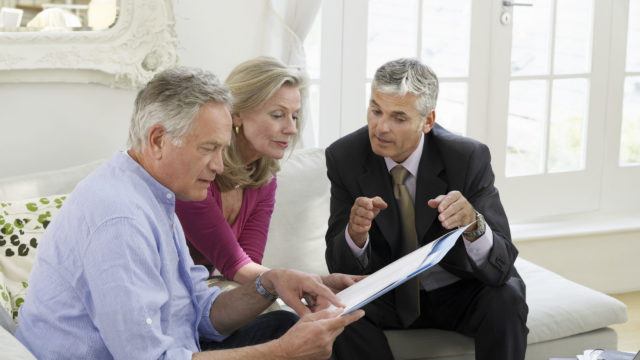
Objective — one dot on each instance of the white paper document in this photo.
(398, 272)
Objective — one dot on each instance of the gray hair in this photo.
(173, 99)
(408, 75)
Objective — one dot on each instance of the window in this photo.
(549, 87)
(546, 89)
(435, 31)
(630, 129)
(312, 49)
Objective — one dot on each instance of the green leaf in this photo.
(15, 240)
(25, 284)
(23, 250)
(18, 223)
(44, 201)
(1, 220)
(44, 217)
(9, 253)
(33, 207)
(57, 200)
(5, 297)
(33, 242)
(19, 301)
(7, 229)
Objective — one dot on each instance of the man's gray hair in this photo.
(406, 75)
(173, 99)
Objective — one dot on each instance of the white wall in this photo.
(51, 125)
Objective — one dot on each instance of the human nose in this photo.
(216, 163)
(291, 128)
(383, 125)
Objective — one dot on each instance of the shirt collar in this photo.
(159, 191)
(412, 162)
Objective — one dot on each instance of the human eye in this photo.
(277, 115)
(376, 111)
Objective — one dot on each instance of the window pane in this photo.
(633, 37)
(530, 41)
(392, 33)
(312, 47)
(573, 36)
(313, 117)
(368, 96)
(446, 27)
(451, 110)
(567, 132)
(526, 127)
(630, 137)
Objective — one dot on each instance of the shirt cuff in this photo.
(355, 249)
(205, 327)
(177, 354)
(479, 249)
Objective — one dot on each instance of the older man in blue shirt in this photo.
(114, 278)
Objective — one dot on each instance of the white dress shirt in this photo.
(436, 277)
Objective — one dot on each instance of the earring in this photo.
(236, 129)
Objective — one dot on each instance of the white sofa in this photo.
(564, 317)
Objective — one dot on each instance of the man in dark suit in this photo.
(399, 183)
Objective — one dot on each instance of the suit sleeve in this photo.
(338, 255)
(483, 195)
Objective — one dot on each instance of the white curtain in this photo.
(287, 24)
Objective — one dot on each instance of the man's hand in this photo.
(338, 282)
(363, 211)
(454, 209)
(292, 286)
(312, 336)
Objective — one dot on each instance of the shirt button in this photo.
(149, 321)
(169, 195)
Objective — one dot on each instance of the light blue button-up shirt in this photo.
(113, 276)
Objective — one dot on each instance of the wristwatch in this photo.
(263, 291)
(481, 226)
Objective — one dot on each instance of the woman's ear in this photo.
(236, 119)
(431, 121)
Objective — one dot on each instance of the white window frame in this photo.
(602, 186)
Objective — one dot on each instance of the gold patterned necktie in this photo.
(407, 294)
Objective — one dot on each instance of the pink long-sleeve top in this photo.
(215, 243)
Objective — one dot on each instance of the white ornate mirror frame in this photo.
(140, 44)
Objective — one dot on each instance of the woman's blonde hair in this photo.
(252, 83)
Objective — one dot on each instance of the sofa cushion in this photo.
(299, 220)
(22, 223)
(44, 183)
(559, 307)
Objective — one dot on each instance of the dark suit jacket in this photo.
(449, 162)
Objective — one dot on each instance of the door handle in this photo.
(511, 3)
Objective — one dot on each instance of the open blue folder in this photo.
(398, 272)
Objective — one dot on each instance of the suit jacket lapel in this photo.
(428, 186)
(375, 181)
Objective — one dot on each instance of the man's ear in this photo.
(430, 123)
(156, 140)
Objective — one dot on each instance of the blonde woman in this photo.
(228, 230)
